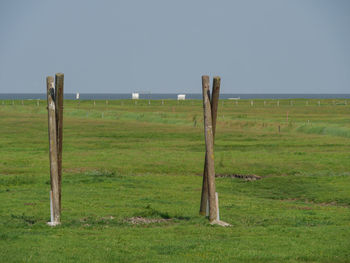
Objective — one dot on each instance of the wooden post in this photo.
(51, 108)
(59, 128)
(208, 132)
(214, 100)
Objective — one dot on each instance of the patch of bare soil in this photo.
(248, 177)
(138, 220)
(29, 203)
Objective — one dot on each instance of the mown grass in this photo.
(123, 160)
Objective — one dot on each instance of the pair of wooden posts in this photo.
(209, 198)
(55, 125)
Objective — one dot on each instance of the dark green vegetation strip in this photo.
(123, 161)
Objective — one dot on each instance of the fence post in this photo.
(59, 128)
(208, 132)
(214, 109)
(51, 108)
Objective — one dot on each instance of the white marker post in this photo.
(217, 206)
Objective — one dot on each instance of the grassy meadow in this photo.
(123, 160)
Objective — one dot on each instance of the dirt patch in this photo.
(108, 218)
(300, 207)
(248, 177)
(138, 220)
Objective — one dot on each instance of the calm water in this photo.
(159, 96)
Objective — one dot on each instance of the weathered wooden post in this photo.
(214, 100)
(59, 128)
(209, 128)
(54, 194)
(209, 156)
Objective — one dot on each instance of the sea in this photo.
(170, 96)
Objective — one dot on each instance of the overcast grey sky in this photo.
(270, 46)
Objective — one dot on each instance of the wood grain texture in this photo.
(209, 143)
(51, 108)
(214, 110)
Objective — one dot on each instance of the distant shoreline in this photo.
(160, 96)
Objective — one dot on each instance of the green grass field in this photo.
(123, 160)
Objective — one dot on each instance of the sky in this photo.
(163, 46)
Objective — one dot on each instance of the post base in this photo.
(219, 223)
(53, 223)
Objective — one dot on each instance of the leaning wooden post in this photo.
(208, 132)
(214, 109)
(51, 108)
(59, 128)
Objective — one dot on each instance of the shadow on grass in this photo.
(94, 176)
(150, 212)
